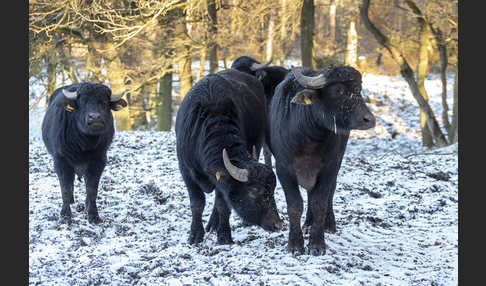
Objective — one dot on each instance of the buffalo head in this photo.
(251, 66)
(335, 98)
(91, 105)
(251, 192)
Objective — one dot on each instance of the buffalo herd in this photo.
(301, 116)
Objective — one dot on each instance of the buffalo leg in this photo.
(294, 210)
(92, 179)
(197, 199)
(224, 229)
(330, 221)
(65, 174)
(318, 204)
(308, 216)
(213, 222)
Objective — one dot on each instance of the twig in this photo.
(430, 153)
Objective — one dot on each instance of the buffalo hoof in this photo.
(65, 220)
(94, 219)
(225, 241)
(316, 249)
(224, 238)
(65, 214)
(197, 234)
(330, 228)
(330, 224)
(296, 247)
(195, 238)
(295, 250)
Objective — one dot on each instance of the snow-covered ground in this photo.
(395, 205)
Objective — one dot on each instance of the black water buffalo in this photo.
(311, 116)
(77, 130)
(270, 77)
(218, 128)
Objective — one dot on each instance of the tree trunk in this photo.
(202, 64)
(444, 61)
(164, 103)
(115, 75)
(423, 62)
(283, 32)
(453, 137)
(406, 72)
(225, 63)
(307, 28)
(271, 24)
(213, 30)
(184, 72)
(351, 54)
(331, 44)
(183, 54)
(93, 64)
(51, 76)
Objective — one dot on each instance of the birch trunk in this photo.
(332, 28)
(351, 54)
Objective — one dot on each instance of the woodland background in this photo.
(153, 50)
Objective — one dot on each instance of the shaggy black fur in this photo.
(224, 110)
(309, 141)
(270, 77)
(77, 142)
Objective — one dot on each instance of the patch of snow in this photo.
(395, 206)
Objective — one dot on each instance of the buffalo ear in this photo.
(118, 105)
(64, 102)
(219, 174)
(305, 97)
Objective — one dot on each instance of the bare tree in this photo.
(351, 54)
(407, 73)
(213, 31)
(307, 31)
(331, 46)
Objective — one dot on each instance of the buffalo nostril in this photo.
(95, 119)
(94, 116)
(368, 118)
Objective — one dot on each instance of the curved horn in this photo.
(310, 82)
(70, 94)
(256, 66)
(254, 153)
(116, 97)
(235, 172)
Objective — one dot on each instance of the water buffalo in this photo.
(219, 131)
(311, 115)
(77, 130)
(270, 77)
